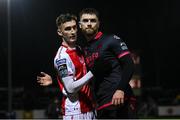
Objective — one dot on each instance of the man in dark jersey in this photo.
(108, 57)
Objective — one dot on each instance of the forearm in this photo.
(73, 86)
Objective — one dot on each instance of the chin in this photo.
(90, 32)
(73, 40)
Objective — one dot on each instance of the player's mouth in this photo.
(73, 37)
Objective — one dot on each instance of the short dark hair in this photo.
(89, 11)
(65, 18)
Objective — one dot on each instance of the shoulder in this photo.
(112, 39)
(61, 56)
(111, 36)
(116, 42)
(115, 37)
(61, 53)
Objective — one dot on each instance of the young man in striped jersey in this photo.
(69, 62)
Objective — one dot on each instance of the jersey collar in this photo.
(98, 35)
(73, 49)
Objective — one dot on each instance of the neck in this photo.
(69, 46)
(90, 37)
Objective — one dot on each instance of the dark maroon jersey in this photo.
(103, 56)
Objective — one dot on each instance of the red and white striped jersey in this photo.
(71, 63)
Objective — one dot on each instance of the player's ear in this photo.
(59, 32)
(80, 25)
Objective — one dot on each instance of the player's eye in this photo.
(67, 28)
(93, 20)
(85, 20)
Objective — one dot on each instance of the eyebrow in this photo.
(69, 27)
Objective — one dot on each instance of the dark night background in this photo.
(149, 26)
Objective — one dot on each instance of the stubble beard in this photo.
(89, 32)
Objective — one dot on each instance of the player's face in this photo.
(89, 24)
(68, 31)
